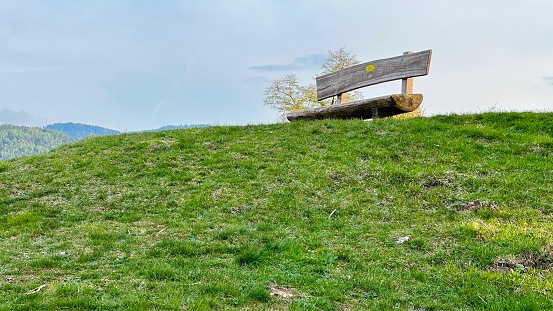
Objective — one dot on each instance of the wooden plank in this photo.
(407, 83)
(370, 73)
(361, 109)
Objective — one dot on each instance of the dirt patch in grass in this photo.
(539, 260)
(472, 206)
(438, 182)
(210, 145)
(282, 292)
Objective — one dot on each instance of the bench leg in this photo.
(376, 113)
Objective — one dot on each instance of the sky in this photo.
(136, 64)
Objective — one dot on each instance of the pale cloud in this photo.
(549, 80)
(309, 62)
(158, 106)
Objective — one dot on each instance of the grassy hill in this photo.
(441, 213)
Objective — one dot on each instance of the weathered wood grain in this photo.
(374, 72)
(407, 83)
(362, 109)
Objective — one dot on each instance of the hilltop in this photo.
(442, 213)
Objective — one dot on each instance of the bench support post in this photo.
(342, 98)
(345, 97)
(407, 84)
(406, 88)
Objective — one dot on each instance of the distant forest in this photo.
(79, 131)
(18, 141)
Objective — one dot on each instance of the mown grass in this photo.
(300, 216)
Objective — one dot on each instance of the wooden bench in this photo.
(403, 67)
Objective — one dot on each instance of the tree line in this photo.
(79, 130)
(18, 141)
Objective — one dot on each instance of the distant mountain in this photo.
(79, 131)
(21, 118)
(17, 141)
(175, 127)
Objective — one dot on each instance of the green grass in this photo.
(299, 216)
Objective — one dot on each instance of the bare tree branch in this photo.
(286, 95)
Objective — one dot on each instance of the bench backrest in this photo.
(378, 71)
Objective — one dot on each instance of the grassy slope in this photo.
(218, 218)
